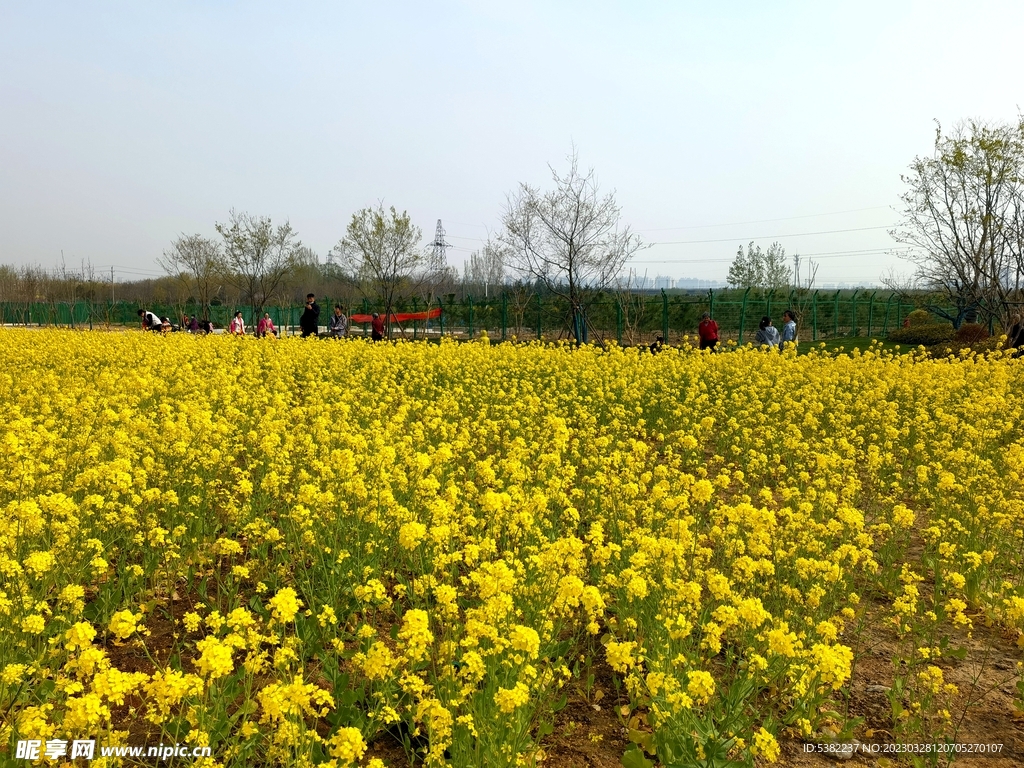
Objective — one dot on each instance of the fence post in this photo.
(440, 320)
(885, 320)
(711, 302)
(853, 325)
(470, 330)
(871, 309)
(814, 317)
(768, 305)
(664, 315)
(504, 315)
(743, 314)
(835, 332)
(618, 320)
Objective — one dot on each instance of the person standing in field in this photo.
(237, 327)
(708, 332)
(1015, 334)
(788, 329)
(193, 325)
(377, 327)
(767, 334)
(310, 320)
(338, 324)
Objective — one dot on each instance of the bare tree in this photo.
(381, 250)
(963, 219)
(632, 303)
(69, 286)
(198, 263)
(258, 256)
(485, 268)
(803, 283)
(520, 295)
(569, 239)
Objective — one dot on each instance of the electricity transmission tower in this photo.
(439, 246)
(438, 258)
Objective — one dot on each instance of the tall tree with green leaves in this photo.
(776, 272)
(764, 270)
(745, 270)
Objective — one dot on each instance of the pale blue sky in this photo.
(124, 124)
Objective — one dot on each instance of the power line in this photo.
(741, 238)
(763, 221)
(711, 226)
(819, 254)
(770, 237)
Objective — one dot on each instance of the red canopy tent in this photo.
(401, 317)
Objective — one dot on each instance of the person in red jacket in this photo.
(708, 332)
(377, 327)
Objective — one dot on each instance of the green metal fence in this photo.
(626, 318)
(637, 318)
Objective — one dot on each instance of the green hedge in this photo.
(923, 334)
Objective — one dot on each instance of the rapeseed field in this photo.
(296, 552)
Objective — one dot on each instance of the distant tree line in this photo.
(962, 228)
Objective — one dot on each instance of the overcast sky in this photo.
(125, 124)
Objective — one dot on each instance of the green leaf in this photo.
(634, 758)
(644, 739)
(559, 705)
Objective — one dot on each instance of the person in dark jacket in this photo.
(1015, 335)
(310, 320)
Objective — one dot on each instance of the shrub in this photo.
(921, 317)
(971, 333)
(934, 333)
(956, 347)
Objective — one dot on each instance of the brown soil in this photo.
(590, 732)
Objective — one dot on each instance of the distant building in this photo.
(695, 284)
(664, 283)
